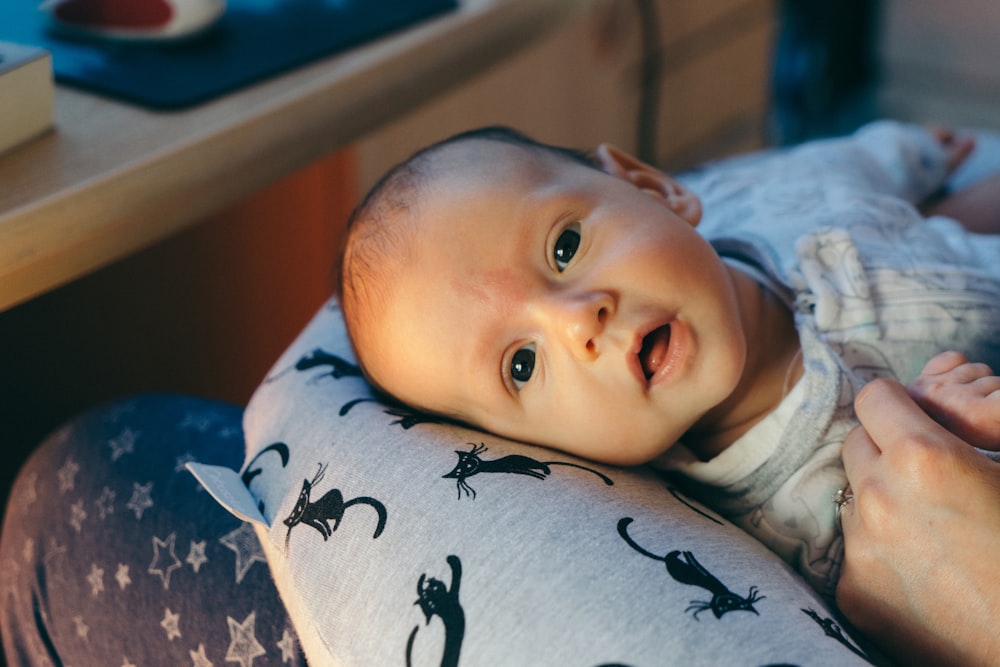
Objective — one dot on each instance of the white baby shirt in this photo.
(876, 289)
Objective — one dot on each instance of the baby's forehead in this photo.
(474, 156)
(487, 178)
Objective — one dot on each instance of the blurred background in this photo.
(675, 81)
(679, 81)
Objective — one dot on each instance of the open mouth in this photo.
(653, 353)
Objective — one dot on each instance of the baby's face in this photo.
(560, 305)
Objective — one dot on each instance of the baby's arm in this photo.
(977, 207)
(963, 397)
(957, 146)
(909, 161)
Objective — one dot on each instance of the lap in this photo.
(112, 554)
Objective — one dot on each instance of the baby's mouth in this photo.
(654, 350)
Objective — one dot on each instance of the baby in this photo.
(584, 304)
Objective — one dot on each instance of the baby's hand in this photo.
(961, 396)
(957, 147)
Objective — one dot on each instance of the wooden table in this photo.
(114, 178)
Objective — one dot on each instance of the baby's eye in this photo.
(566, 246)
(522, 365)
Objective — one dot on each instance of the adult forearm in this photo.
(977, 207)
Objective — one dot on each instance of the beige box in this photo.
(27, 94)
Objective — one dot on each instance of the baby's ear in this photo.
(650, 180)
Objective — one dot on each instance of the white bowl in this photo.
(134, 20)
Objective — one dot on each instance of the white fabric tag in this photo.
(228, 490)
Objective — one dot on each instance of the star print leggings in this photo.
(111, 554)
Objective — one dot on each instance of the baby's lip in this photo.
(652, 353)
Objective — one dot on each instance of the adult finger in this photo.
(890, 421)
(943, 362)
(891, 417)
(859, 455)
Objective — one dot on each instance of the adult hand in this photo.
(920, 576)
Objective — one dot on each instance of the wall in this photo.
(939, 61)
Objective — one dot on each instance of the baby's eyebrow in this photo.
(503, 290)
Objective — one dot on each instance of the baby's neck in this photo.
(773, 366)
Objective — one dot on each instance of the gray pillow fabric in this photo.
(396, 540)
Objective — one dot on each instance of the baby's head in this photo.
(542, 295)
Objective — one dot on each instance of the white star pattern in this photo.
(200, 422)
(55, 553)
(123, 444)
(141, 499)
(81, 628)
(155, 567)
(100, 579)
(28, 552)
(96, 580)
(183, 460)
(10, 575)
(122, 576)
(244, 646)
(287, 646)
(67, 475)
(105, 503)
(171, 624)
(244, 542)
(198, 658)
(116, 412)
(196, 556)
(77, 515)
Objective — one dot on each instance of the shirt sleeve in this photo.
(884, 157)
(912, 160)
(771, 199)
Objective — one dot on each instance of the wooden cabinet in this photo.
(583, 85)
(714, 88)
(205, 312)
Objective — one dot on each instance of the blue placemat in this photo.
(255, 39)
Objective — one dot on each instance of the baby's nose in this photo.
(581, 318)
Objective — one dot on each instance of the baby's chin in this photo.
(623, 454)
(615, 448)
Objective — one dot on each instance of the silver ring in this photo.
(842, 498)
